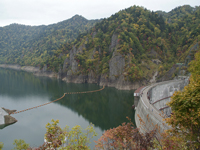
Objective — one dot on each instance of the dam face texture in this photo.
(152, 102)
(160, 95)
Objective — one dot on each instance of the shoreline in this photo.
(119, 83)
(35, 70)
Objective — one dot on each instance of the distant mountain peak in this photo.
(78, 17)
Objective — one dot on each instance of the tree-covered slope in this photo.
(27, 45)
(133, 43)
(178, 12)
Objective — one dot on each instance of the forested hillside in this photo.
(28, 45)
(131, 45)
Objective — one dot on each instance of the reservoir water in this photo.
(21, 90)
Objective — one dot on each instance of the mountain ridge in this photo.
(17, 39)
(125, 49)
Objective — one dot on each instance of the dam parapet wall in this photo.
(152, 105)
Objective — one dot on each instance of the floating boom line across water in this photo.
(59, 99)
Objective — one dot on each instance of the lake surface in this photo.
(21, 90)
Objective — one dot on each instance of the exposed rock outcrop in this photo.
(156, 61)
(35, 70)
(76, 78)
(30, 69)
(9, 119)
(113, 78)
(121, 84)
(5, 118)
(70, 65)
(114, 42)
(153, 80)
(169, 74)
(116, 65)
(9, 111)
(10, 66)
(50, 74)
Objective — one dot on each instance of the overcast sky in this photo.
(39, 12)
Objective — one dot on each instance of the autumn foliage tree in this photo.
(185, 105)
(62, 139)
(126, 136)
(1, 145)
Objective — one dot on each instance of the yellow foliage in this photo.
(185, 109)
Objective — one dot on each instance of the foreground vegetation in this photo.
(186, 112)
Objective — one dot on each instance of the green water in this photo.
(21, 90)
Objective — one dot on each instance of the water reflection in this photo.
(19, 83)
(106, 109)
(2, 126)
(20, 90)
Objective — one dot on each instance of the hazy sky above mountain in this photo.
(38, 12)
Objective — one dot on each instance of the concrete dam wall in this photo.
(151, 108)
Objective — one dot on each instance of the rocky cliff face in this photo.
(114, 43)
(113, 78)
(116, 65)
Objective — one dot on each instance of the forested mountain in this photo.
(178, 12)
(131, 45)
(27, 45)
